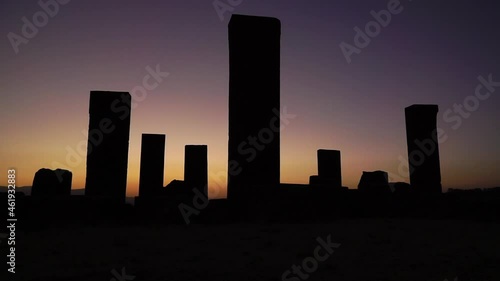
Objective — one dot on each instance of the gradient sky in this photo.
(429, 53)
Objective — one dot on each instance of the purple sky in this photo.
(429, 53)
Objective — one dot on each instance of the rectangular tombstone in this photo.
(152, 164)
(254, 103)
(423, 148)
(196, 168)
(108, 145)
(329, 166)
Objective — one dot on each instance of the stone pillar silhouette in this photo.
(152, 164)
(51, 183)
(329, 166)
(423, 148)
(329, 169)
(108, 144)
(196, 168)
(254, 104)
(374, 182)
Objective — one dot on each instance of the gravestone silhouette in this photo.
(329, 169)
(152, 164)
(423, 148)
(108, 145)
(254, 104)
(51, 183)
(196, 168)
(374, 182)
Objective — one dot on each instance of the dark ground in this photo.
(371, 250)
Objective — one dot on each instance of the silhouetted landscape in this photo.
(264, 229)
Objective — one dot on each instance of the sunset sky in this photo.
(429, 52)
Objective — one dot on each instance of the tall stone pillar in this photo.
(108, 145)
(196, 168)
(329, 166)
(423, 148)
(254, 104)
(152, 164)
